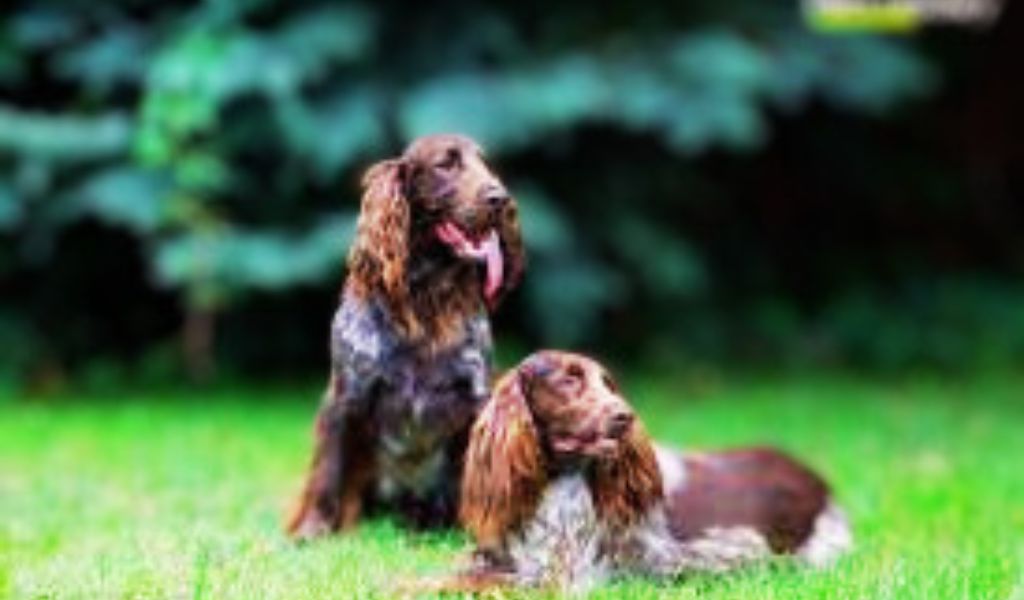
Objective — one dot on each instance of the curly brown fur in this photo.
(437, 245)
(626, 488)
(504, 470)
(379, 254)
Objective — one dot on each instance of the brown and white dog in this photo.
(437, 245)
(563, 488)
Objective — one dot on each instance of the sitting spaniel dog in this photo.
(437, 245)
(563, 488)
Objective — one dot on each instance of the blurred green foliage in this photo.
(226, 138)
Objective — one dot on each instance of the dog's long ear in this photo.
(628, 485)
(513, 250)
(505, 471)
(380, 252)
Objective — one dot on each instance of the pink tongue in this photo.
(487, 250)
(491, 248)
(452, 235)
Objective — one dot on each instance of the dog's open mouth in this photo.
(485, 248)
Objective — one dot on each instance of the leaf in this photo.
(40, 27)
(199, 171)
(236, 259)
(333, 132)
(697, 90)
(507, 111)
(63, 137)
(327, 35)
(665, 263)
(867, 74)
(12, 63)
(11, 211)
(566, 297)
(122, 196)
(221, 63)
(722, 60)
(545, 229)
(855, 72)
(119, 55)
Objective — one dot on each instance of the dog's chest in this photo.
(379, 365)
(568, 547)
(419, 401)
(562, 546)
(400, 473)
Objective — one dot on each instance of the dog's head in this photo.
(577, 408)
(440, 193)
(557, 412)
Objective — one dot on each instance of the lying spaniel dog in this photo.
(562, 488)
(437, 244)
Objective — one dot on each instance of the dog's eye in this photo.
(570, 386)
(450, 161)
(572, 381)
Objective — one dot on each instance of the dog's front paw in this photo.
(310, 529)
(306, 525)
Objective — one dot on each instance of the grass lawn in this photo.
(181, 496)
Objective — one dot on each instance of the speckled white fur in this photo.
(561, 546)
(671, 465)
(566, 547)
(832, 537)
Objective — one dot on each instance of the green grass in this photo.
(181, 497)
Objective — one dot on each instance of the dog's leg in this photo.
(341, 469)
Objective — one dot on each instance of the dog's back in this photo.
(758, 491)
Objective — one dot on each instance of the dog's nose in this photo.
(619, 423)
(496, 196)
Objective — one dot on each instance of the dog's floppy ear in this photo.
(512, 248)
(380, 252)
(505, 470)
(629, 484)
